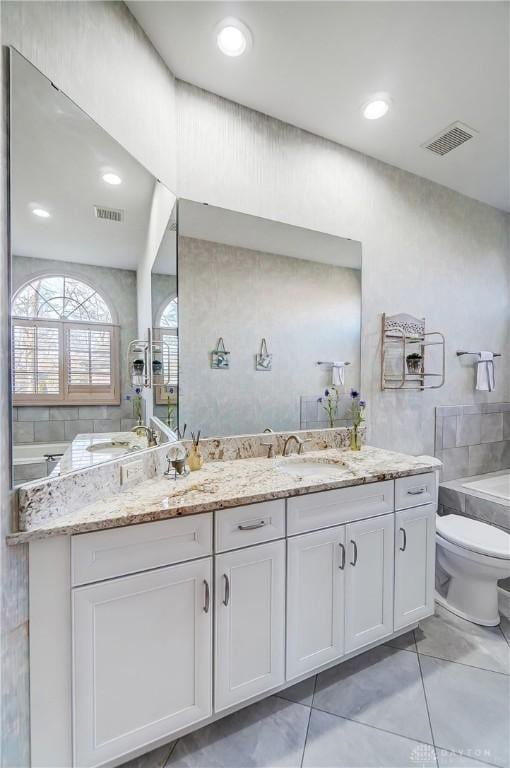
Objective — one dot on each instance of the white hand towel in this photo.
(485, 379)
(338, 374)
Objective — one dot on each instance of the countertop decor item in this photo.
(220, 358)
(195, 458)
(329, 402)
(404, 362)
(358, 417)
(263, 359)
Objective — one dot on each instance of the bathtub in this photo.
(30, 461)
(497, 485)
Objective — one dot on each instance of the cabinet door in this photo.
(415, 549)
(142, 662)
(369, 581)
(315, 599)
(250, 622)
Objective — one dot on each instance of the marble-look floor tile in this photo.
(333, 742)
(446, 636)
(155, 759)
(382, 687)
(469, 709)
(301, 693)
(404, 642)
(269, 733)
(473, 759)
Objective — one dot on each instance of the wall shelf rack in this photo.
(403, 335)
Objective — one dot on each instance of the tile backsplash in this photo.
(472, 439)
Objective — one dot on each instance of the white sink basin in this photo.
(307, 467)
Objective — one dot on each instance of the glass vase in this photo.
(355, 439)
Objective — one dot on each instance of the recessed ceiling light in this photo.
(376, 108)
(112, 178)
(41, 213)
(233, 37)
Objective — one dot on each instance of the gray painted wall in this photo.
(427, 250)
(98, 55)
(306, 311)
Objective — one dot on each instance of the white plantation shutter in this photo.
(170, 355)
(170, 359)
(91, 365)
(65, 363)
(37, 352)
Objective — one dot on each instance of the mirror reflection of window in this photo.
(166, 331)
(65, 345)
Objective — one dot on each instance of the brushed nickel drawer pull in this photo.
(226, 599)
(207, 596)
(354, 552)
(404, 540)
(416, 491)
(342, 561)
(252, 526)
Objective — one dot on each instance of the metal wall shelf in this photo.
(400, 335)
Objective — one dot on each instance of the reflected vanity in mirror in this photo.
(269, 319)
(86, 223)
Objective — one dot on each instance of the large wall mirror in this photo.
(87, 225)
(269, 320)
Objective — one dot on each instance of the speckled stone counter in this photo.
(219, 485)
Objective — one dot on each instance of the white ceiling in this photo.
(313, 64)
(219, 225)
(58, 155)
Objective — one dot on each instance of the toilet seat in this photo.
(474, 535)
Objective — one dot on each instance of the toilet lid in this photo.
(474, 535)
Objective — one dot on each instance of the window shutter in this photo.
(170, 356)
(36, 361)
(90, 365)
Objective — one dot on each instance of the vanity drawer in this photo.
(416, 490)
(321, 510)
(250, 524)
(116, 552)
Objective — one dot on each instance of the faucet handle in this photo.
(270, 449)
(302, 441)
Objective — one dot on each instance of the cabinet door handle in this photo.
(354, 552)
(404, 540)
(252, 526)
(207, 596)
(342, 561)
(226, 598)
(416, 491)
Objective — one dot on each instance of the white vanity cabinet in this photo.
(315, 599)
(415, 546)
(142, 659)
(249, 623)
(369, 581)
(149, 631)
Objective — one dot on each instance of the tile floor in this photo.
(438, 697)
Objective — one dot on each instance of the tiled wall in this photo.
(45, 425)
(472, 439)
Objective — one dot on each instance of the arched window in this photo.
(166, 331)
(65, 344)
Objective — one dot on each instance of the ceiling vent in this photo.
(108, 214)
(449, 139)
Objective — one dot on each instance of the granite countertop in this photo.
(224, 484)
(89, 449)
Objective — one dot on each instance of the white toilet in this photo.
(474, 556)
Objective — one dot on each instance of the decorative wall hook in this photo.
(263, 359)
(220, 358)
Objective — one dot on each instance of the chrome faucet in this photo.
(150, 434)
(289, 439)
